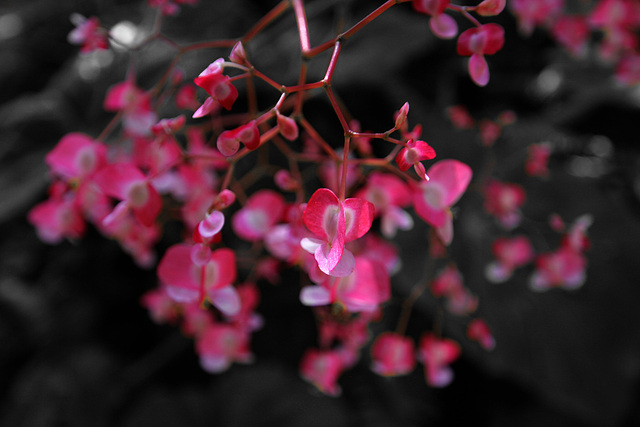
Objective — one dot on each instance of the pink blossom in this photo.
(437, 354)
(162, 309)
(261, 212)
(460, 117)
(503, 201)
(222, 344)
(432, 199)
(537, 163)
(441, 24)
(192, 276)
(449, 284)
(57, 218)
(335, 222)
(363, 290)
(510, 253)
(135, 105)
(478, 330)
(228, 142)
(490, 131)
(572, 32)
(127, 183)
(322, 368)
(477, 42)
(88, 33)
(393, 354)
(217, 85)
(413, 154)
(186, 98)
(534, 13)
(388, 194)
(76, 156)
(563, 268)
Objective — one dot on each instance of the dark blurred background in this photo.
(77, 349)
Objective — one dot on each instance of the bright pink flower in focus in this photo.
(413, 154)
(217, 85)
(127, 183)
(221, 345)
(193, 274)
(441, 24)
(260, 213)
(88, 33)
(335, 222)
(478, 330)
(363, 290)
(477, 42)
(437, 354)
(322, 368)
(228, 142)
(510, 253)
(503, 200)
(393, 354)
(432, 199)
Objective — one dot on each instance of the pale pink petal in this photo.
(345, 266)
(359, 215)
(226, 299)
(309, 244)
(209, 105)
(225, 260)
(314, 296)
(211, 225)
(454, 176)
(478, 69)
(443, 26)
(177, 270)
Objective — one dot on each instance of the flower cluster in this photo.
(330, 210)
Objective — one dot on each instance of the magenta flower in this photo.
(222, 344)
(218, 86)
(262, 211)
(193, 274)
(564, 268)
(362, 291)
(413, 154)
(441, 24)
(335, 222)
(432, 199)
(322, 368)
(393, 354)
(228, 142)
(88, 33)
(135, 106)
(477, 42)
(76, 156)
(437, 354)
(510, 253)
(503, 200)
(125, 182)
(478, 330)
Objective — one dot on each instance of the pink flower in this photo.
(162, 309)
(88, 33)
(432, 199)
(335, 222)
(563, 268)
(460, 117)
(478, 330)
(413, 154)
(572, 32)
(537, 163)
(393, 354)
(437, 354)
(477, 42)
(135, 105)
(193, 274)
(362, 291)
(441, 24)
(533, 13)
(449, 284)
(57, 218)
(388, 194)
(218, 86)
(261, 212)
(322, 368)
(76, 156)
(510, 253)
(127, 183)
(228, 142)
(222, 344)
(503, 201)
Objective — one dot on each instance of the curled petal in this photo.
(443, 26)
